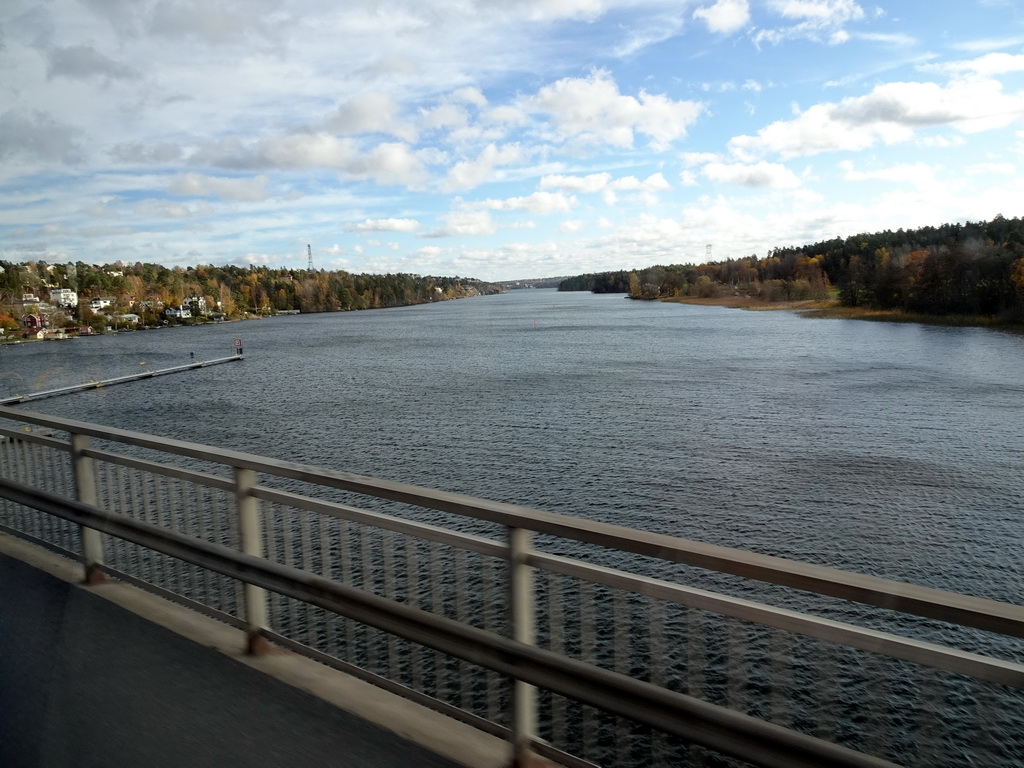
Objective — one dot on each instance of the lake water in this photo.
(889, 449)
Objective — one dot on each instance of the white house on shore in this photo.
(63, 297)
(182, 313)
(196, 303)
(101, 302)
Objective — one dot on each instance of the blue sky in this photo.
(498, 139)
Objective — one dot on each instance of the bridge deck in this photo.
(85, 682)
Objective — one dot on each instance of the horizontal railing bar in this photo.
(726, 731)
(173, 597)
(144, 465)
(981, 613)
(30, 437)
(385, 683)
(917, 651)
(423, 699)
(479, 544)
(69, 553)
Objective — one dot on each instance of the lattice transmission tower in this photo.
(309, 253)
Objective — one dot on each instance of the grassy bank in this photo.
(750, 302)
(832, 309)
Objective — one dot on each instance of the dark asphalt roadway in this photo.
(86, 684)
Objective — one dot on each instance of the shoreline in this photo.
(831, 309)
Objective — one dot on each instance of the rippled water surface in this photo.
(896, 450)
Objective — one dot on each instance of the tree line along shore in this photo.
(970, 274)
(79, 295)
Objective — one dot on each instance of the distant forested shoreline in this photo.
(972, 269)
(226, 291)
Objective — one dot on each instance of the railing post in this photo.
(250, 529)
(522, 611)
(85, 491)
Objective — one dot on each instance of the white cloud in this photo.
(368, 113)
(384, 225)
(819, 20)
(471, 173)
(590, 184)
(1000, 169)
(539, 202)
(388, 163)
(470, 95)
(988, 44)
(592, 109)
(198, 185)
(443, 116)
(725, 16)
(506, 115)
(918, 174)
(690, 159)
(889, 114)
(986, 66)
(942, 142)
(167, 209)
(822, 11)
(294, 152)
(465, 223)
(606, 186)
(757, 175)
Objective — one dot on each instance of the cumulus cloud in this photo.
(593, 110)
(756, 175)
(38, 136)
(889, 114)
(725, 16)
(384, 225)
(81, 62)
(820, 20)
(198, 185)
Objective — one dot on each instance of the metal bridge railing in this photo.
(585, 642)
